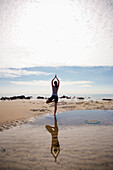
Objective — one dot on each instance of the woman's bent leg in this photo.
(47, 101)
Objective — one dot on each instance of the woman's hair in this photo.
(55, 83)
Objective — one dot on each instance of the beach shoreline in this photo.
(17, 112)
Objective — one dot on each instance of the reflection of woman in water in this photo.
(55, 147)
(54, 96)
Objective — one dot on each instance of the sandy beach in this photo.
(17, 112)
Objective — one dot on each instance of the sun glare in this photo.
(52, 31)
(59, 33)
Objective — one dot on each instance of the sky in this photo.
(70, 38)
(73, 80)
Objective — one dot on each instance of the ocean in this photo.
(86, 96)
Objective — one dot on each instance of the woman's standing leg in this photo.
(55, 108)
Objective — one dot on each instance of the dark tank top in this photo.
(55, 90)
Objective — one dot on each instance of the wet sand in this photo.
(82, 145)
(20, 111)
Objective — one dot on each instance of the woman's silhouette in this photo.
(54, 97)
(55, 146)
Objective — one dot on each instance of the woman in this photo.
(54, 97)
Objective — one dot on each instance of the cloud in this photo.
(67, 83)
(43, 35)
(86, 85)
(32, 83)
(47, 83)
(11, 73)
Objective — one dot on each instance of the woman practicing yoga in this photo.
(54, 97)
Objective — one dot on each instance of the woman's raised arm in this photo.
(52, 81)
(57, 80)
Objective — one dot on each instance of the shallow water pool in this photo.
(77, 118)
